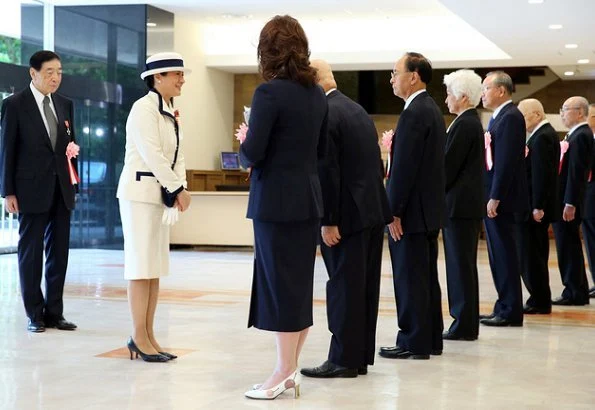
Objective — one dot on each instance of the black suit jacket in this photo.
(590, 193)
(352, 173)
(29, 165)
(287, 133)
(507, 180)
(416, 187)
(542, 172)
(575, 168)
(464, 163)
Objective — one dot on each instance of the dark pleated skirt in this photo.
(284, 254)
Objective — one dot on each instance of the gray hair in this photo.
(583, 105)
(464, 82)
(501, 79)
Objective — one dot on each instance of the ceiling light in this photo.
(583, 61)
(569, 73)
(535, 1)
(151, 24)
(555, 26)
(571, 46)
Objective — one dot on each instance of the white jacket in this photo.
(150, 149)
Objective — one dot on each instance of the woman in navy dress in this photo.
(286, 136)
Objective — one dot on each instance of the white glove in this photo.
(170, 216)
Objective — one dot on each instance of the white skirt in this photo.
(146, 240)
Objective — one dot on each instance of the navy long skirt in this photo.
(284, 254)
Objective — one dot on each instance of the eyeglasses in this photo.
(395, 74)
(486, 88)
(566, 109)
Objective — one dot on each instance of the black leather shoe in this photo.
(491, 315)
(170, 356)
(36, 326)
(327, 370)
(60, 324)
(533, 310)
(362, 370)
(561, 301)
(396, 352)
(452, 336)
(500, 322)
(592, 292)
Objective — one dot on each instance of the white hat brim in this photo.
(164, 70)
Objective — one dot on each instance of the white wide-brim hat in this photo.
(162, 63)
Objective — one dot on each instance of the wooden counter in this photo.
(214, 218)
(208, 180)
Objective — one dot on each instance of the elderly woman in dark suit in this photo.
(286, 136)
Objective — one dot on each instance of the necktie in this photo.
(490, 123)
(51, 119)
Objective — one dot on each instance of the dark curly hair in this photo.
(283, 51)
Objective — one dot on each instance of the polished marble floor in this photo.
(548, 363)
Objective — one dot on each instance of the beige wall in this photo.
(206, 104)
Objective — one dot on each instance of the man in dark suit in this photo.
(355, 213)
(506, 195)
(541, 162)
(416, 196)
(464, 203)
(589, 216)
(574, 171)
(37, 126)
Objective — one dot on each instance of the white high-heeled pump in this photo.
(274, 392)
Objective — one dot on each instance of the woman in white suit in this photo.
(154, 159)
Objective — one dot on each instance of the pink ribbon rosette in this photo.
(387, 142)
(241, 132)
(488, 141)
(563, 148)
(72, 151)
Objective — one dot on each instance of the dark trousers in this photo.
(505, 266)
(417, 292)
(49, 230)
(534, 252)
(461, 237)
(352, 293)
(571, 261)
(588, 227)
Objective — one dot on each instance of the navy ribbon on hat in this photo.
(174, 62)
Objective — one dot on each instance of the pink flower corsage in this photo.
(387, 139)
(488, 150)
(67, 124)
(241, 132)
(177, 116)
(72, 151)
(526, 151)
(387, 142)
(563, 148)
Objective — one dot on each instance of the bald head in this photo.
(591, 118)
(574, 111)
(324, 74)
(533, 112)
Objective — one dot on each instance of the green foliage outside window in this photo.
(10, 50)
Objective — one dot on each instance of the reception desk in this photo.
(214, 218)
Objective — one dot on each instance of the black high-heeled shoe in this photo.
(168, 355)
(132, 348)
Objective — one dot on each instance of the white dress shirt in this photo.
(497, 110)
(412, 96)
(39, 100)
